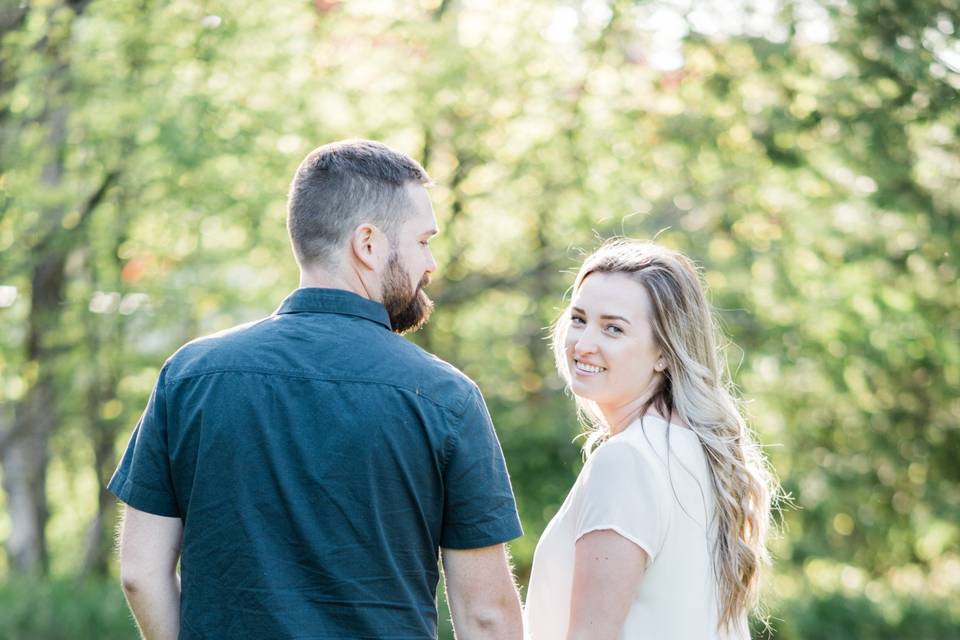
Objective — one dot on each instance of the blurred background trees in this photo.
(805, 152)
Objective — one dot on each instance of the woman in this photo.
(663, 534)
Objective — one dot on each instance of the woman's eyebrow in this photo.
(603, 317)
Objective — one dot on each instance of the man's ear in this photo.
(369, 246)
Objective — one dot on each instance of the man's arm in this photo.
(483, 598)
(149, 551)
(606, 575)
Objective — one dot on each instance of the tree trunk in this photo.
(26, 453)
(97, 555)
(105, 338)
(25, 456)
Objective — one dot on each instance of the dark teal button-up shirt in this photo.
(318, 461)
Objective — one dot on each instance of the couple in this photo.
(307, 470)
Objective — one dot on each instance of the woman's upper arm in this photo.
(623, 492)
(607, 572)
(620, 527)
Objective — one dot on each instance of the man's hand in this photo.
(483, 598)
(149, 552)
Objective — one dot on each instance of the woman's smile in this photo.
(586, 369)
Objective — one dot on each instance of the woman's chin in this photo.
(583, 389)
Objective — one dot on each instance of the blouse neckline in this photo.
(673, 428)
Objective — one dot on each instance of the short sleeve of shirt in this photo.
(143, 479)
(479, 508)
(622, 492)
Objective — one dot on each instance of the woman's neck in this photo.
(619, 417)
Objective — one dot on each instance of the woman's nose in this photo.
(585, 344)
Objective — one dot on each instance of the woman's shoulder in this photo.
(658, 444)
(652, 435)
(625, 458)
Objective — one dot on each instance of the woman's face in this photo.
(611, 353)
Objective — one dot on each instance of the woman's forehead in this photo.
(612, 294)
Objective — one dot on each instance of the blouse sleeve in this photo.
(623, 492)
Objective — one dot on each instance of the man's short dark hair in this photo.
(344, 184)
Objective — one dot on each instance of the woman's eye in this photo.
(577, 320)
(612, 328)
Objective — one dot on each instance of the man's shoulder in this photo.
(213, 351)
(429, 375)
(373, 356)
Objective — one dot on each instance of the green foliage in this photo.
(857, 617)
(89, 609)
(94, 609)
(810, 164)
(64, 610)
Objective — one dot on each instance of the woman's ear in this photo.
(661, 365)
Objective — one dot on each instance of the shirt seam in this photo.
(124, 479)
(171, 380)
(360, 315)
(463, 405)
(335, 301)
(510, 518)
(635, 539)
(454, 440)
(125, 488)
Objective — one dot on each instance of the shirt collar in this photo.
(339, 301)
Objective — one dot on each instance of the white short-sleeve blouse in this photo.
(662, 503)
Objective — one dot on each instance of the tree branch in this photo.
(451, 294)
(439, 12)
(88, 207)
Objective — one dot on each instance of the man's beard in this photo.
(408, 310)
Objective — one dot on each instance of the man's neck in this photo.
(314, 276)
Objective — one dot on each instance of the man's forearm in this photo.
(483, 598)
(501, 623)
(155, 604)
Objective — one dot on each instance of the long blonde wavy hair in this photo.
(695, 388)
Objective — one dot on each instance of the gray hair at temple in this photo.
(342, 185)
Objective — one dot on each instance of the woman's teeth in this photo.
(587, 368)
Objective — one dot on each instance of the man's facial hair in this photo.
(408, 310)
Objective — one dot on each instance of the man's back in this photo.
(317, 461)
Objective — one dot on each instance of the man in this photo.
(306, 468)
